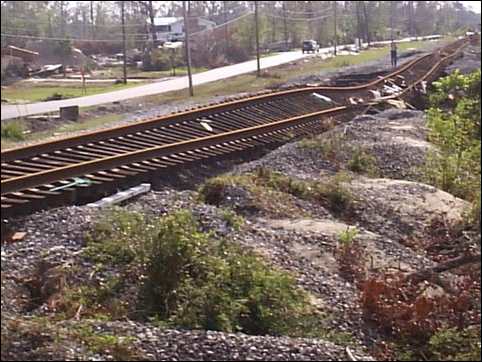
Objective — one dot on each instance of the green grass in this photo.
(30, 92)
(116, 72)
(279, 75)
(13, 131)
(63, 130)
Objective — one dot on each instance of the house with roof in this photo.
(172, 28)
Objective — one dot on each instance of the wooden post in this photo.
(186, 45)
(258, 65)
(124, 46)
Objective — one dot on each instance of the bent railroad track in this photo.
(66, 170)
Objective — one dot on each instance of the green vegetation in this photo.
(31, 92)
(39, 336)
(362, 162)
(454, 122)
(13, 131)
(335, 149)
(272, 190)
(193, 280)
(346, 237)
(120, 348)
(116, 72)
(64, 129)
(232, 219)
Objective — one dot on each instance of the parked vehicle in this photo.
(175, 37)
(310, 46)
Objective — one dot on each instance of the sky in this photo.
(473, 5)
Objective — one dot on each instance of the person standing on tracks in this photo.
(393, 54)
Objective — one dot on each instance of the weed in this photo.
(192, 280)
(232, 219)
(415, 322)
(350, 256)
(362, 162)
(13, 131)
(346, 237)
(120, 348)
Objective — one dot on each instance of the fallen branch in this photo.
(430, 274)
(350, 354)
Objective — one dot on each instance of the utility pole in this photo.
(186, 44)
(225, 17)
(391, 21)
(285, 25)
(124, 47)
(258, 69)
(335, 38)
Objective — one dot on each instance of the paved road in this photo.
(13, 111)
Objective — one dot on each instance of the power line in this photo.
(62, 39)
(223, 24)
(297, 19)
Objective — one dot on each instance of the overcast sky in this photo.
(474, 5)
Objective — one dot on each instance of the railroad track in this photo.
(61, 171)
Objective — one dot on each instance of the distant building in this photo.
(172, 28)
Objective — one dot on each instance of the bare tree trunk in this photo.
(411, 27)
(366, 22)
(151, 16)
(310, 22)
(62, 19)
(92, 25)
(358, 23)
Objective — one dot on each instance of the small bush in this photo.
(348, 236)
(195, 281)
(362, 162)
(13, 131)
(270, 186)
(455, 345)
(350, 256)
(119, 237)
(232, 219)
(414, 321)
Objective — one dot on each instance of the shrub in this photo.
(455, 345)
(13, 131)
(454, 122)
(269, 186)
(362, 162)
(195, 281)
(411, 319)
(350, 256)
(232, 219)
(119, 237)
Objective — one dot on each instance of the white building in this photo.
(172, 28)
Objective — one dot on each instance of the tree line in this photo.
(95, 26)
